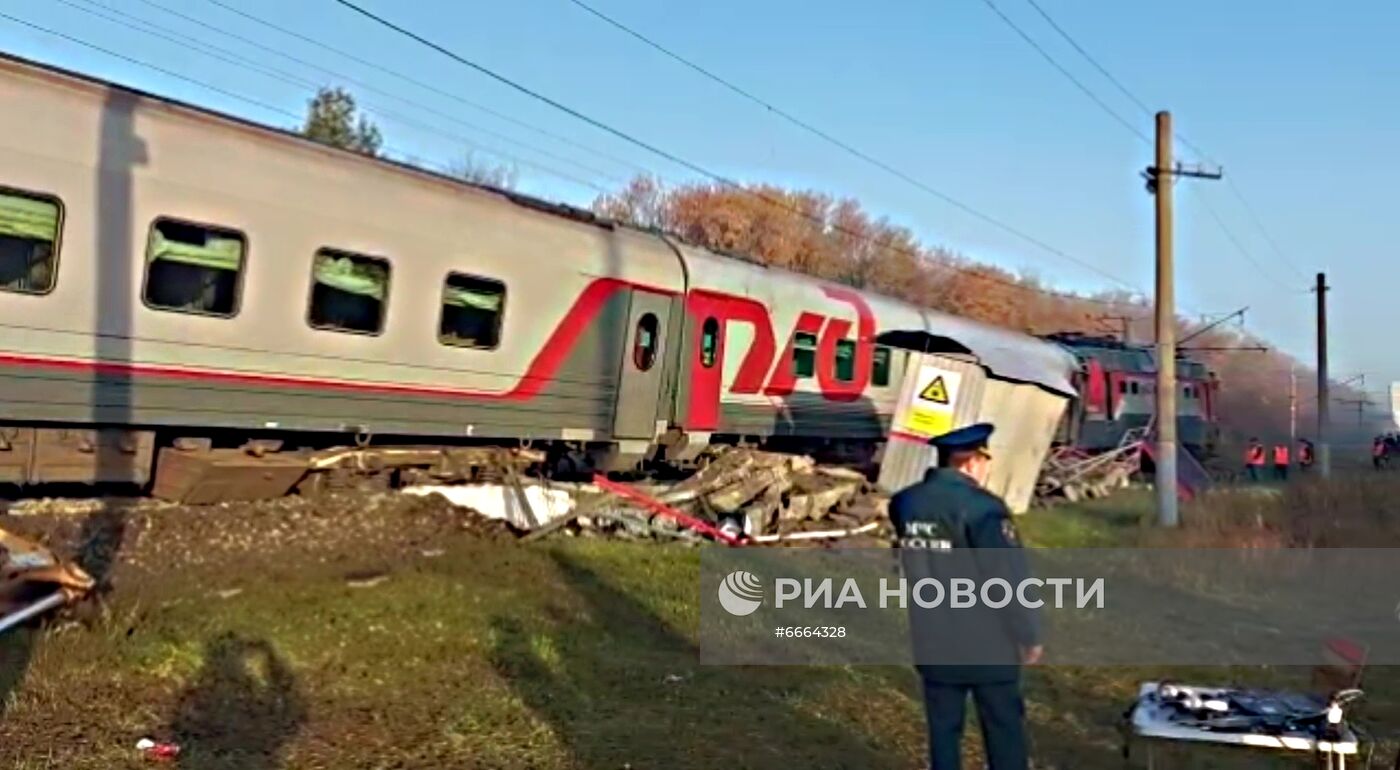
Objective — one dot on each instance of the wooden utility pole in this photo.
(1324, 452)
(1159, 182)
(1165, 458)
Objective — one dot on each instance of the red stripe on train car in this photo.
(541, 371)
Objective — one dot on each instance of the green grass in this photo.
(566, 654)
(1103, 523)
(576, 654)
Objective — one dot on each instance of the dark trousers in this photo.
(1253, 471)
(1280, 471)
(999, 710)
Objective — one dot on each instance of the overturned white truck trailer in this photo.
(1018, 383)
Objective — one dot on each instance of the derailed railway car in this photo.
(173, 277)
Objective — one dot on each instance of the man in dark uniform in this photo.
(1307, 455)
(948, 525)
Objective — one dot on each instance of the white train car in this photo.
(167, 272)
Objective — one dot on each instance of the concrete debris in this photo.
(741, 496)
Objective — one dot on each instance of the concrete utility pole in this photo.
(1159, 182)
(1324, 452)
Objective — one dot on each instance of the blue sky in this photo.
(1298, 101)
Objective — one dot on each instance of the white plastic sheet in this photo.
(497, 501)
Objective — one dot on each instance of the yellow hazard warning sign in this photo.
(936, 391)
(930, 405)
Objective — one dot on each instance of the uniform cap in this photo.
(966, 439)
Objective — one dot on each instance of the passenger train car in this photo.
(1117, 385)
(170, 273)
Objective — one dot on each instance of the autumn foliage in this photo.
(838, 240)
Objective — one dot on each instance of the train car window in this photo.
(804, 354)
(349, 292)
(846, 360)
(192, 268)
(709, 342)
(1134, 388)
(644, 342)
(880, 367)
(472, 309)
(1122, 386)
(29, 234)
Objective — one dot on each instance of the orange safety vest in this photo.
(1377, 448)
(1254, 455)
(1280, 455)
(1305, 454)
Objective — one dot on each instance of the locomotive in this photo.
(1117, 386)
(174, 279)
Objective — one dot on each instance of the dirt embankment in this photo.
(140, 538)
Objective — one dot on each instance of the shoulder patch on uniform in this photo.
(1008, 531)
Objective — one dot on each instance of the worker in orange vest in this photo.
(1254, 459)
(1281, 462)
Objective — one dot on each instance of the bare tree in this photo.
(475, 169)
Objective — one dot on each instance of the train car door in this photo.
(642, 366)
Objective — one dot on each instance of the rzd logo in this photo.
(740, 593)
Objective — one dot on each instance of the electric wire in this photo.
(410, 80)
(230, 57)
(1068, 75)
(697, 168)
(1201, 155)
(830, 138)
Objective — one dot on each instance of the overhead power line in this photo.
(1142, 105)
(405, 79)
(1268, 238)
(1068, 75)
(694, 167)
(1201, 154)
(237, 59)
(1102, 70)
(834, 141)
(148, 65)
(271, 108)
(230, 57)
